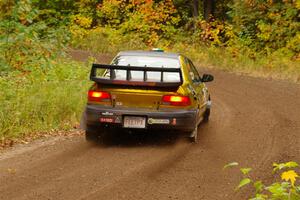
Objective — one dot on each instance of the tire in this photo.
(91, 136)
(206, 115)
(207, 112)
(194, 135)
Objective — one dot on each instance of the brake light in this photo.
(98, 96)
(176, 100)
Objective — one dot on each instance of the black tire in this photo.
(91, 136)
(206, 115)
(207, 112)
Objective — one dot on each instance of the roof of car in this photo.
(149, 53)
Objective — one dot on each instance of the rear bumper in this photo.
(101, 116)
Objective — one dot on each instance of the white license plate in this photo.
(134, 122)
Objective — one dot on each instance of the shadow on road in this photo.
(123, 138)
(142, 138)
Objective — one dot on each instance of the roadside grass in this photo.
(273, 66)
(42, 101)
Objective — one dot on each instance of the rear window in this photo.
(147, 61)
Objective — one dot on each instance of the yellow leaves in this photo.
(80, 26)
(286, 189)
(297, 4)
(290, 175)
(215, 33)
(112, 10)
(84, 22)
(150, 19)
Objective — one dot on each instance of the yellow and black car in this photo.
(147, 90)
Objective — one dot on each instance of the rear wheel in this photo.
(207, 111)
(206, 115)
(93, 133)
(91, 136)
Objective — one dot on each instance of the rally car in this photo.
(147, 90)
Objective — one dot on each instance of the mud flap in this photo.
(194, 135)
(208, 104)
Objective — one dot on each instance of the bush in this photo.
(285, 189)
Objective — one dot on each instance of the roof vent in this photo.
(157, 50)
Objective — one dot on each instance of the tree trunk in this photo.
(195, 8)
(209, 7)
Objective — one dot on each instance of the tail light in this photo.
(176, 100)
(98, 96)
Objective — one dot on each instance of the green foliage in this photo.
(27, 44)
(39, 90)
(105, 40)
(286, 189)
(254, 36)
(281, 166)
(267, 26)
(243, 182)
(149, 19)
(245, 171)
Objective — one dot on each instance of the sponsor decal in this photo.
(107, 113)
(158, 121)
(118, 119)
(118, 103)
(106, 119)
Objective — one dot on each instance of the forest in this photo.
(42, 89)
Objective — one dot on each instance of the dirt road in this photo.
(254, 122)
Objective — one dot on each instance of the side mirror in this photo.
(207, 78)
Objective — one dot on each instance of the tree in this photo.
(195, 6)
(208, 9)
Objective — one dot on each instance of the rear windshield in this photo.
(147, 61)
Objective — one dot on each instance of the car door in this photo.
(198, 87)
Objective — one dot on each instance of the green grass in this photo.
(42, 101)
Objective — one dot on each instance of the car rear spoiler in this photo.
(112, 80)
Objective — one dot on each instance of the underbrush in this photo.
(285, 185)
(42, 101)
(273, 66)
(234, 59)
(40, 89)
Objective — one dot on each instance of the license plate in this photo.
(134, 122)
